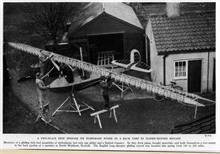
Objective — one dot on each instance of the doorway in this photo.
(194, 75)
(213, 82)
(106, 43)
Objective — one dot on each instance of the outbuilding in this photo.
(102, 30)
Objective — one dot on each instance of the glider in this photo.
(167, 92)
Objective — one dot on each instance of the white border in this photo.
(187, 137)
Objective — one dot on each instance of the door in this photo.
(213, 82)
(194, 76)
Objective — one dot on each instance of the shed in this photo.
(106, 28)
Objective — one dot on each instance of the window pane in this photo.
(184, 63)
(184, 68)
(180, 69)
(184, 73)
(177, 64)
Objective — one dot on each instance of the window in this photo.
(105, 58)
(180, 69)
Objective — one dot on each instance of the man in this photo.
(44, 62)
(106, 84)
(43, 103)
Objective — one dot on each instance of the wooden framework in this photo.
(74, 104)
(112, 111)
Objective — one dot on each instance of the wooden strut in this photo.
(47, 74)
(123, 88)
(112, 110)
(195, 112)
(169, 92)
(76, 107)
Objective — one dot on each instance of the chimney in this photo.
(173, 9)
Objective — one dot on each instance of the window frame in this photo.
(180, 77)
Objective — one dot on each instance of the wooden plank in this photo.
(98, 112)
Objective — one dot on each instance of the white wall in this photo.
(206, 78)
(156, 61)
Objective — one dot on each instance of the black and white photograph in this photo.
(109, 67)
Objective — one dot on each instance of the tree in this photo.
(49, 19)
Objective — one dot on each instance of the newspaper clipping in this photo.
(130, 76)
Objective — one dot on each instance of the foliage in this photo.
(48, 19)
(34, 24)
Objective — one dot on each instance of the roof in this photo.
(92, 10)
(205, 125)
(145, 10)
(184, 33)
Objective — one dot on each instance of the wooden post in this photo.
(81, 58)
(196, 108)
(122, 93)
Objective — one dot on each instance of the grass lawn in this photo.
(17, 118)
(135, 116)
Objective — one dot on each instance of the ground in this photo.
(141, 115)
(17, 118)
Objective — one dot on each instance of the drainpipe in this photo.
(208, 73)
(164, 69)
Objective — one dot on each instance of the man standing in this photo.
(106, 84)
(43, 104)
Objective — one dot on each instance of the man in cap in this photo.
(106, 84)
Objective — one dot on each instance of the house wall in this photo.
(155, 60)
(206, 77)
